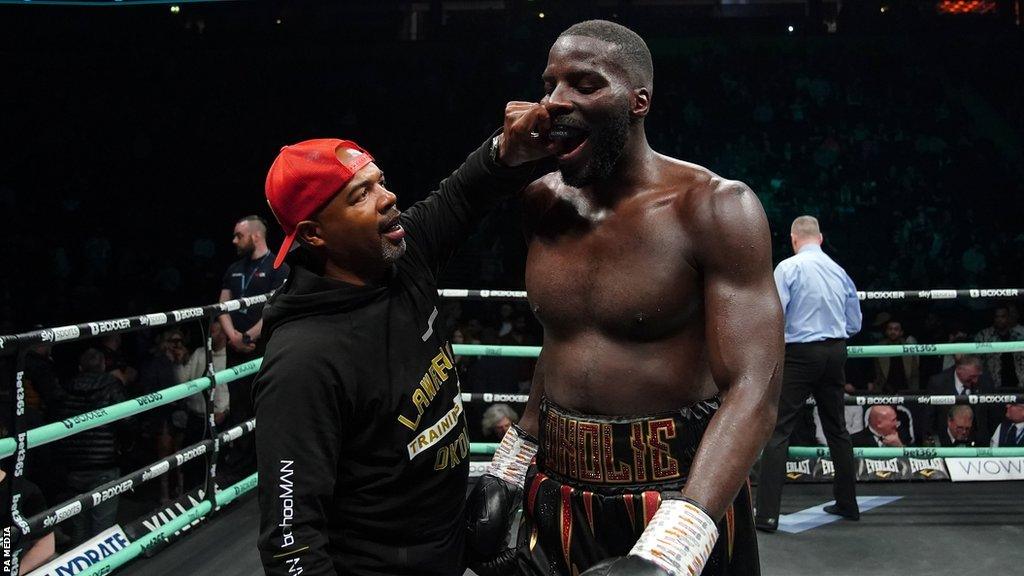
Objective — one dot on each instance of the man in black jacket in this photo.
(965, 378)
(361, 441)
(90, 457)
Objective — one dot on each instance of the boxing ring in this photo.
(917, 524)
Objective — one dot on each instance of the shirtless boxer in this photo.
(663, 344)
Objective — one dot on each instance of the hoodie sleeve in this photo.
(438, 224)
(298, 442)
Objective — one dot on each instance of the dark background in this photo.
(134, 137)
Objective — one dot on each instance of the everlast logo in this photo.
(872, 400)
(83, 418)
(62, 514)
(993, 398)
(885, 295)
(586, 450)
(876, 466)
(827, 468)
(187, 314)
(190, 454)
(97, 328)
(919, 465)
(798, 468)
(104, 495)
(149, 398)
(997, 293)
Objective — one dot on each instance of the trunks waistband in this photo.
(627, 452)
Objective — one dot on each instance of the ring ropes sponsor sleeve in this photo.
(298, 444)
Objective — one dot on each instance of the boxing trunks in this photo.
(598, 480)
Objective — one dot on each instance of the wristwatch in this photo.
(495, 149)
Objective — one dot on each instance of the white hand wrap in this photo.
(513, 457)
(679, 538)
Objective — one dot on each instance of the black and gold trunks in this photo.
(598, 482)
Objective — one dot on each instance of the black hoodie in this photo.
(361, 439)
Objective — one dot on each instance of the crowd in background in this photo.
(907, 154)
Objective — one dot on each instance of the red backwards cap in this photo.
(305, 176)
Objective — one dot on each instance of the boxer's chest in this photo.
(625, 273)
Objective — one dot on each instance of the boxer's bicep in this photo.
(298, 442)
(744, 340)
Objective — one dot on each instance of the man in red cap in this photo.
(362, 446)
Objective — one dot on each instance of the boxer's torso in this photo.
(618, 287)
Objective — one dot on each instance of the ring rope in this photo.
(897, 399)
(165, 532)
(484, 448)
(60, 430)
(83, 502)
(940, 294)
(851, 351)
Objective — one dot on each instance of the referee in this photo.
(821, 309)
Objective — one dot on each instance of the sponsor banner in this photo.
(187, 314)
(78, 560)
(943, 294)
(453, 292)
(230, 305)
(146, 524)
(928, 469)
(808, 470)
(492, 398)
(985, 469)
(97, 328)
(153, 319)
(995, 293)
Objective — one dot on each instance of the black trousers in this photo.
(811, 369)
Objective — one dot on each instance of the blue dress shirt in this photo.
(818, 298)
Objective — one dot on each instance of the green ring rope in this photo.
(121, 557)
(851, 351)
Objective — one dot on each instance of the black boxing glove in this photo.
(492, 505)
(677, 542)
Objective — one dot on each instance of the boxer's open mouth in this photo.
(570, 140)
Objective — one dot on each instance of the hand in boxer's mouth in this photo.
(392, 228)
(569, 137)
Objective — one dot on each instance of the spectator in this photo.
(38, 547)
(163, 427)
(194, 368)
(1010, 431)
(115, 361)
(251, 275)
(894, 375)
(90, 457)
(960, 429)
(195, 429)
(882, 430)
(966, 377)
(496, 421)
(40, 377)
(1007, 369)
